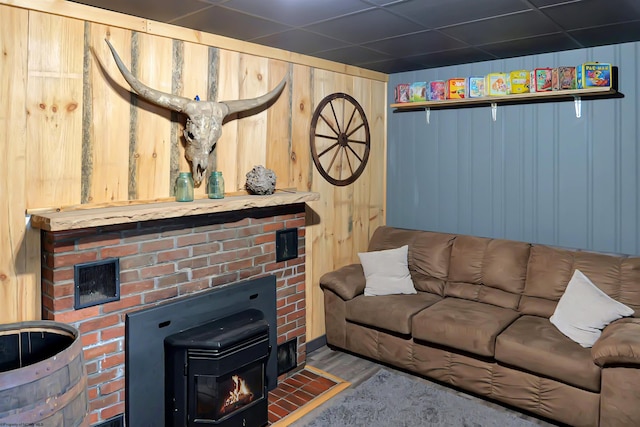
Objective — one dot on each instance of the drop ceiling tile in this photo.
(531, 46)
(503, 28)
(229, 23)
(608, 34)
(451, 57)
(297, 13)
(156, 10)
(543, 3)
(300, 41)
(391, 66)
(366, 26)
(353, 55)
(441, 13)
(416, 43)
(592, 13)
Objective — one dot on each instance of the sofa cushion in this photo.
(390, 312)
(533, 344)
(462, 324)
(386, 272)
(488, 270)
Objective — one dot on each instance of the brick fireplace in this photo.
(162, 260)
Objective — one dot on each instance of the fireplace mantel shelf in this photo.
(84, 217)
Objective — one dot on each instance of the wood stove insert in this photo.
(215, 373)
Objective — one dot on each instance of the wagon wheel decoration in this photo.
(340, 139)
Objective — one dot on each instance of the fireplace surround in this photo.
(167, 252)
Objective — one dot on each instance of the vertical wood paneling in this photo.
(252, 131)
(227, 147)
(301, 112)
(109, 104)
(15, 281)
(194, 83)
(278, 139)
(153, 124)
(537, 174)
(54, 99)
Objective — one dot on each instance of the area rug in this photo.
(389, 399)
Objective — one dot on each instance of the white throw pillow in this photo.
(387, 272)
(584, 310)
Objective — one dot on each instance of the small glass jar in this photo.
(184, 187)
(216, 185)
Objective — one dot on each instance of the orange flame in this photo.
(240, 393)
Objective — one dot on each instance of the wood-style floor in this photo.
(357, 370)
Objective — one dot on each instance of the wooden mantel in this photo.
(73, 219)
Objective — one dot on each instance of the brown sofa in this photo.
(480, 322)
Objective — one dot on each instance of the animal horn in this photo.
(249, 104)
(166, 100)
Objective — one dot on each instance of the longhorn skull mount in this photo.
(204, 118)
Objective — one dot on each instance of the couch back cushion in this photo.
(488, 270)
(550, 270)
(429, 254)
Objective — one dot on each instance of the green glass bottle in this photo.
(184, 187)
(216, 185)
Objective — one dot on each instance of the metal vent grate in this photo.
(286, 244)
(287, 356)
(117, 421)
(96, 283)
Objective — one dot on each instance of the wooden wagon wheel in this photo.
(340, 139)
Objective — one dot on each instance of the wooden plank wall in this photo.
(72, 133)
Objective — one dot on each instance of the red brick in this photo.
(161, 294)
(111, 387)
(272, 227)
(295, 315)
(239, 265)
(47, 302)
(286, 310)
(111, 333)
(94, 417)
(191, 240)
(264, 238)
(219, 235)
(193, 286)
(130, 301)
(136, 287)
(157, 270)
(230, 245)
(173, 255)
(111, 361)
(89, 339)
(97, 323)
(129, 276)
(250, 231)
(293, 223)
(92, 393)
(156, 245)
(137, 261)
(205, 249)
(222, 257)
(77, 315)
(200, 273)
(294, 298)
(98, 404)
(102, 377)
(298, 332)
(225, 278)
(99, 240)
(101, 350)
(265, 220)
(92, 367)
(119, 251)
(74, 258)
(190, 262)
(62, 274)
(172, 280)
(265, 259)
(251, 272)
(112, 411)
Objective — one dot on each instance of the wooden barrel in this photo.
(43, 380)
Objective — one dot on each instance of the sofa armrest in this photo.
(619, 344)
(347, 282)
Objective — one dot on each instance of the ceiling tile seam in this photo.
(557, 25)
(171, 21)
(298, 27)
(611, 24)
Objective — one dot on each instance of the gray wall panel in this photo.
(537, 174)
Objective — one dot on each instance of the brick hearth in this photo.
(162, 260)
